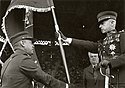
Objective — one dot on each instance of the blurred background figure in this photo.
(91, 74)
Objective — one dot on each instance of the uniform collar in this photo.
(94, 65)
(20, 51)
(112, 32)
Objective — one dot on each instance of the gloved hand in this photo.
(105, 63)
(61, 34)
(64, 38)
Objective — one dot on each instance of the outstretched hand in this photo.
(63, 38)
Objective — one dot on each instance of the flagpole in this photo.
(2, 51)
(60, 44)
(7, 39)
(4, 45)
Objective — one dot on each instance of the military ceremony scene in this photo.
(62, 44)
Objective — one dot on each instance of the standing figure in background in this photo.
(92, 78)
(111, 49)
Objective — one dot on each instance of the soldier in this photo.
(20, 69)
(111, 49)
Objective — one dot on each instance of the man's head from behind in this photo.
(23, 41)
(93, 58)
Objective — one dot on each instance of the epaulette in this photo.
(122, 31)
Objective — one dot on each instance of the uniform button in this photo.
(35, 61)
(103, 51)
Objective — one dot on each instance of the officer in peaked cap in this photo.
(20, 69)
(105, 15)
(111, 49)
(24, 35)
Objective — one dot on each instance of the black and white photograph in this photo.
(62, 44)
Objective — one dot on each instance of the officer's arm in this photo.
(33, 71)
(88, 45)
(119, 61)
(85, 44)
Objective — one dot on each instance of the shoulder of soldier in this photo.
(122, 34)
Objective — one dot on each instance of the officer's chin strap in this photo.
(107, 76)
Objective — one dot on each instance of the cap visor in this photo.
(32, 39)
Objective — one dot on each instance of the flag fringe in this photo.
(23, 7)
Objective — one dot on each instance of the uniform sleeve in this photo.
(85, 44)
(122, 42)
(33, 71)
(120, 60)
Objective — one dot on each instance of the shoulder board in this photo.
(122, 31)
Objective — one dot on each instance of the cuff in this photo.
(69, 40)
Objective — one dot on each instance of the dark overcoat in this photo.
(89, 81)
(20, 70)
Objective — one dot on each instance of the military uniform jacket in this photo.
(19, 71)
(112, 48)
(89, 81)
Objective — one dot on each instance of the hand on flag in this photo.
(63, 38)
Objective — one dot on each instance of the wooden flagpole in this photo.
(60, 44)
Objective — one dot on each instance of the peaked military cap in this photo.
(23, 35)
(106, 15)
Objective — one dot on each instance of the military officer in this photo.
(20, 69)
(111, 49)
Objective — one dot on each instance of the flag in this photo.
(35, 5)
(32, 5)
(13, 20)
(13, 23)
